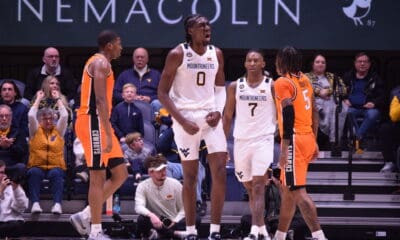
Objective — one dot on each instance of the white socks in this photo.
(214, 228)
(318, 235)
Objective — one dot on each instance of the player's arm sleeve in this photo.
(220, 98)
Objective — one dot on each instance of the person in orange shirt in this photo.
(93, 128)
(298, 126)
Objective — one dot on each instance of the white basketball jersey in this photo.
(193, 86)
(255, 110)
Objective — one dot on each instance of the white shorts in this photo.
(188, 145)
(253, 156)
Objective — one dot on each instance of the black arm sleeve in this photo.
(288, 121)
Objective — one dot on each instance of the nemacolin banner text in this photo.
(268, 24)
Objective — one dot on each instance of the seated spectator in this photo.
(50, 84)
(136, 153)
(390, 134)
(158, 201)
(146, 80)
(11, 96)
(13, 144)
(13, 203)
(125, 116)
(51, 67)
(328, 91)
(46, 151)
(365, 96)
(167, 147)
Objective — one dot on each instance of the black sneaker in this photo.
(191, 237)
(214, 236)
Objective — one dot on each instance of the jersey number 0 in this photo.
(201, 78)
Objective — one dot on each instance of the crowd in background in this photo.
(36, 113)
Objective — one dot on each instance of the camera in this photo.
(15, 175)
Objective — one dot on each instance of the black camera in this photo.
(15, 175)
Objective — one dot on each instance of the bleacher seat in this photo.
(149, 132)
(146, 110)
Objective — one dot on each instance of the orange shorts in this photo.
(89, 132)
(300, 155)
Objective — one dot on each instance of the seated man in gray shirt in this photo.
(158, 201)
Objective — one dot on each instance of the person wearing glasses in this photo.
(158, 201)
(51, 66)
(13, 144)
(365, 96)
(136, 153)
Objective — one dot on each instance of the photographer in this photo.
(13, 202)
(158, 201)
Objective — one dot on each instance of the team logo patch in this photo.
(184, 151)
(189, 54)
(262, 91)
(148, 80)
(241, 86)
(239, 174)
(209, 59)
(169, 196)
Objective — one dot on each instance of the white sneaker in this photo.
(99, 236)
(388, 168)
(56, 209)
(36, 208)
(80, 223)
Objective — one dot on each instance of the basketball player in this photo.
(192, 89)
(251, 98)
(93, 128)
(298, 126)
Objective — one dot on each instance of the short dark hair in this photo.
(189, 22)
(106, 36)
(288, 60)
(360, 54)
(153, 161)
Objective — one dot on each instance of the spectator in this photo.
(46, 153)
(13, 144)
(328, 91)
(167, 147)
(50, 84)
(125, 116)
(11, 96)
(146, 80)
(390, 134)
(365, 96)
(136, 153)
(158, 201)
(13, 202)
(51, 67)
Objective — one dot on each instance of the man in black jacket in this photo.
(365, 96)
(51, 66)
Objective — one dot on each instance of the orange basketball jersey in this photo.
(88, 98)
(300, 91)
(88, 127)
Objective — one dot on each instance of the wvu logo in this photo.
(357, 10)
(239, 174)
(185, 151)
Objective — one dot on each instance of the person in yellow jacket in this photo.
(46, 150)
(390, 134)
